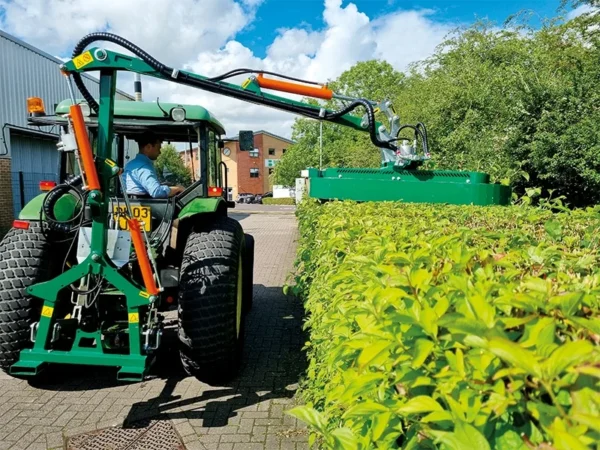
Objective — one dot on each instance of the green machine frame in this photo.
(135, 364)
(410, 186)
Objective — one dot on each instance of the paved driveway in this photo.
(245, 414)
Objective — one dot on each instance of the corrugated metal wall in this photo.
(33, 160)
(28, 72)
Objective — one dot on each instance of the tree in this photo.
(171, 168)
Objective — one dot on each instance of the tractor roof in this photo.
(149, 111)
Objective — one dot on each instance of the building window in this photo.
(253, 172)
(270, 171)
(271, 152)
(283, 151)
(254, 153)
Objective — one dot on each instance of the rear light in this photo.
(215, 191)
(47, 185)
(21, 224)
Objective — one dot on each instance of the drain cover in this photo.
(149, 435)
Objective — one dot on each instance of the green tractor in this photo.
(86, 270)
(201, 259)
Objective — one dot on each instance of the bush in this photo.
(450, 327)
(278, 201)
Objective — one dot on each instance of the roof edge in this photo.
(273, 135)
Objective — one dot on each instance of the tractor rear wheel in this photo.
(210, 301)
(248, 274)
(25, 258)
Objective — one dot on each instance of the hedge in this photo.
(278, 201)
(450, 327)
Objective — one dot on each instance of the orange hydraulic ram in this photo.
(85, 149)
(140, 251)
(293, 88)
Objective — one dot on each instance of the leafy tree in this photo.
(171, 168)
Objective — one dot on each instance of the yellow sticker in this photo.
(144, 294)
(47, 311)
(246, 83)
(134, 318)
(83, 60)
(110, 162)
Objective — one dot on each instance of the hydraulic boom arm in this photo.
(97, 58)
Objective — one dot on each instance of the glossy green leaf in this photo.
(380, 424)
(309, 416)
(516, 355)
(365, 408)
(344, 439)
(422, 350)
(419, 404)
(566, 356)
(372, 352)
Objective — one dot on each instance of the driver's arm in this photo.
(148, 179)
(175, 190)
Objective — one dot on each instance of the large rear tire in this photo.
(248, 273)
(25, 258)
(211, 328)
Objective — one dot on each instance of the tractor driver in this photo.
(140, 176)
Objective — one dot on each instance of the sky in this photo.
(308, 39)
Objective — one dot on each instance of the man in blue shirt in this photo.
(140, 176)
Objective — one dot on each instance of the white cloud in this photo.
(199, 35)
(580, 10)
(174, 30)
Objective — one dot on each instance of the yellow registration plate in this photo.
(142, 213)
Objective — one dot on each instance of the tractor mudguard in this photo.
(201, 206)
(64, 209)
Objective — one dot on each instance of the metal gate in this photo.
(34, 158)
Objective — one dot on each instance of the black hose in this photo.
(54, 195)
(217, 88)
(235, 72)
(420, 131)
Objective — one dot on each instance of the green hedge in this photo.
(448, 327)
(278, 201)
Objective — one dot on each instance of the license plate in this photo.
(142, 213)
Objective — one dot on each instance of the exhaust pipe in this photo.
(137, 87)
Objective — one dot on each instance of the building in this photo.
(28, 155)
(248, 172)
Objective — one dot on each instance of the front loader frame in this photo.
(135, 364)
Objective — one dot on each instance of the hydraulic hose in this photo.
(218, 88)
(53, 196)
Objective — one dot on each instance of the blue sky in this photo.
(274, 14)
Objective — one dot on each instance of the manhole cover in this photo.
(149, 435)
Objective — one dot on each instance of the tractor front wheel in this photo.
(210, 301)
(25, 258)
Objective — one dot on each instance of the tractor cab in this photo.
(191, 129)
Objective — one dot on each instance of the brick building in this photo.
(249, 172)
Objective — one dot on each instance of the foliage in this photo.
(176, 172)
(516, 102)
(279, 201)
(450, 327)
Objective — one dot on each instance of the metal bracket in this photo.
(118, 245)
(33, 331)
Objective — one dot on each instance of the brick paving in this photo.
(246, 414)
